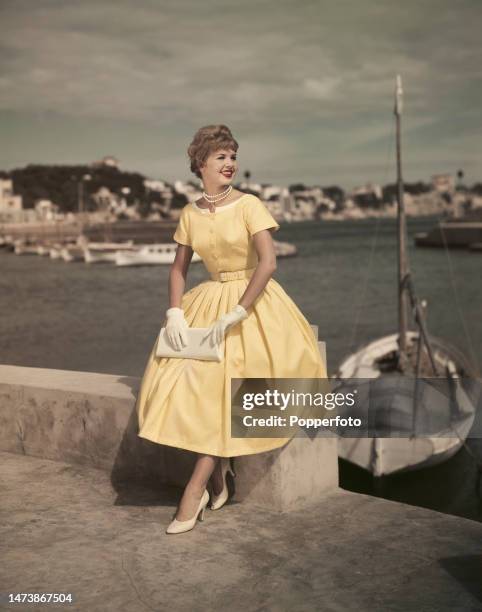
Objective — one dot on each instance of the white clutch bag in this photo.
(198, 347)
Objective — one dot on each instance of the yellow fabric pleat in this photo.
(186, 403)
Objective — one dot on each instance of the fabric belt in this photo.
(234, 275)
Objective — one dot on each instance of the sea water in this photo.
(103, 318)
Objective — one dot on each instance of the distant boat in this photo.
(109, 246)
(67, 251)
(22, 248)
(431, 416)
(72, 253)
(43, 249)
(105, 252)
(454, 232)
(284, 249)
(54, 251)
(155, 254)
(150, 254)
(8, 243)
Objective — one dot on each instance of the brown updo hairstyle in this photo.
(207, 140)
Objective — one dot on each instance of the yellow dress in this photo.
(186, 403)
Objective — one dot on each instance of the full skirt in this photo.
(186, 403)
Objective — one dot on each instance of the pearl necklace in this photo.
(218, 196)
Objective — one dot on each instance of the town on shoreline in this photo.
(101, 192)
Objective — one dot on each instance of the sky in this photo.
(306, 87)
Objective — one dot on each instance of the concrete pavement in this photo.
(69, 528)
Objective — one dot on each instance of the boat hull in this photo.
(443, 419)
(455, 234)
(150, 256)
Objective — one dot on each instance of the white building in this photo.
(286, 202)
(190, 190)
(46, 210)
(11, 207)
(276, 208)
(303, 209)
(107, 160)
(256, 187)
(105, 199)
(369, 188)
(443, 183)
(155, 185)
(272, 190)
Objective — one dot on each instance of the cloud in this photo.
(316, 73)
(321, 89)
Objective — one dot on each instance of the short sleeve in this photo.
(258, 217)
(182, 233)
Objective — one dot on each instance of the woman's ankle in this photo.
(217, 480)
(195, 489)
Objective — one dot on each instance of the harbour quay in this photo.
(85, 502)
(140, 232)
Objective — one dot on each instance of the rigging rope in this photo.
(361, 301)
(457, 303)
(475, 361)
(358, 309)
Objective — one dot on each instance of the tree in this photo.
(179, 200)
(60, 184)
(296, 187)
(336, 194)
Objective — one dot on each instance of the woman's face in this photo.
(220, 167)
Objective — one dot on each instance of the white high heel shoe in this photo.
(181, 526)
(217, 501)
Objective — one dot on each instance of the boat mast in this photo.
(402, 255)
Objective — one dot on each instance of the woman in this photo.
(186, 402)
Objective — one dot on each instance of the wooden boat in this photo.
(150, 254)
(54, 251)
(284, 249)
(72, 253)
(56, 248)
(43, 249)
(476, 246)
(4, 242)
(453, 232)
(23, 248)
(155, 254)
(105, 252)
(418, 392)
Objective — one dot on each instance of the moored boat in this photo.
(284, 249)
(476, 246)
(454, 232)
(103, 252)
(417, 394)
(72, 253)
(23, 248)
(150, 254)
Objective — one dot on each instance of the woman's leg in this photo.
(194, 490)
(216, 479)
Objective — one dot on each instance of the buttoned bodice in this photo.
(224, 239)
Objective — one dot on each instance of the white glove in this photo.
(176, 327)
(225, 322)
